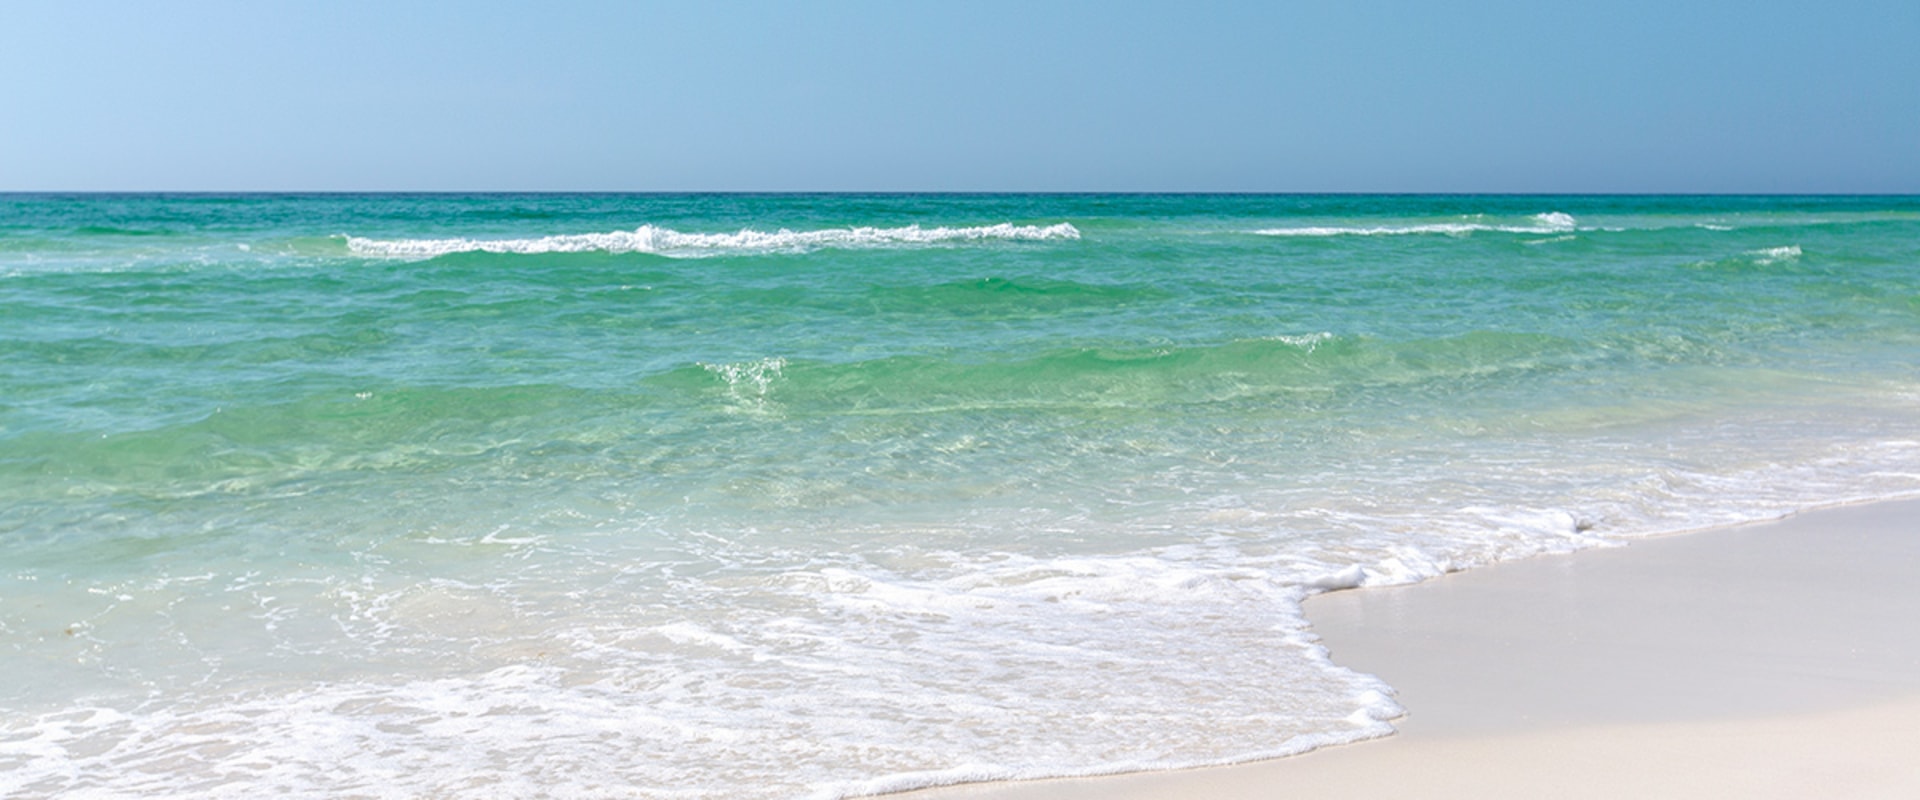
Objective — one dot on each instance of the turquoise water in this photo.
(792, 495)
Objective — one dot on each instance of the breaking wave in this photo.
(1551, 222)
(1774, 255)
(669, 242)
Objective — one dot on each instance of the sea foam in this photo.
(1550, 222)
(669, 242)
(978, 508)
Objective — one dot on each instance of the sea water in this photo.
(808, 496)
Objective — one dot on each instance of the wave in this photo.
(1010, 298)
(1550, 222)
(1600, 221)
(110, 230)
(669, 242)
(1773, 259)
(1297, 373)
(352, 428)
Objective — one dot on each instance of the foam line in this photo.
(1551, 222)
(666, 241)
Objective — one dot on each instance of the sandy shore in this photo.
(1768, 660)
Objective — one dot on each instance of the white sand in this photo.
(1771, 660)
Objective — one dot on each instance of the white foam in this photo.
(756, 376)
(831, 676)
(749, 382)
(860, 680)
(669, 242)
(1550, 222)
(1774, 255)
(1556, 220)
(733, 663)
(1308, 342)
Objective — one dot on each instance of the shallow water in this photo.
(733, 496)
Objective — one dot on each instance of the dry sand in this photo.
(1771, 660)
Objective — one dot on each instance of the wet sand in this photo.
(1777, 659)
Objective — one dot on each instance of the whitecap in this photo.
(1549, 222)
(669, 242)
(1307, 342)
(1775, 255)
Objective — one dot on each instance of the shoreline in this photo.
(1757, 659)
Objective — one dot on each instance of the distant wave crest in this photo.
(1550, 222)
(665, 241)
(1775, 255)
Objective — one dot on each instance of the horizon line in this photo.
(900, 192)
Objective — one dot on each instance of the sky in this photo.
(1354, 96)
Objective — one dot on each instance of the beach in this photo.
(819, 495)
(722, 401)
(1772, 659)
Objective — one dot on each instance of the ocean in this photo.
(741, 496)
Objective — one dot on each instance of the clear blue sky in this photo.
(1673, 96)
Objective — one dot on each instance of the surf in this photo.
(669, 242)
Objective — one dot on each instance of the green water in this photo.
(800, 495)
